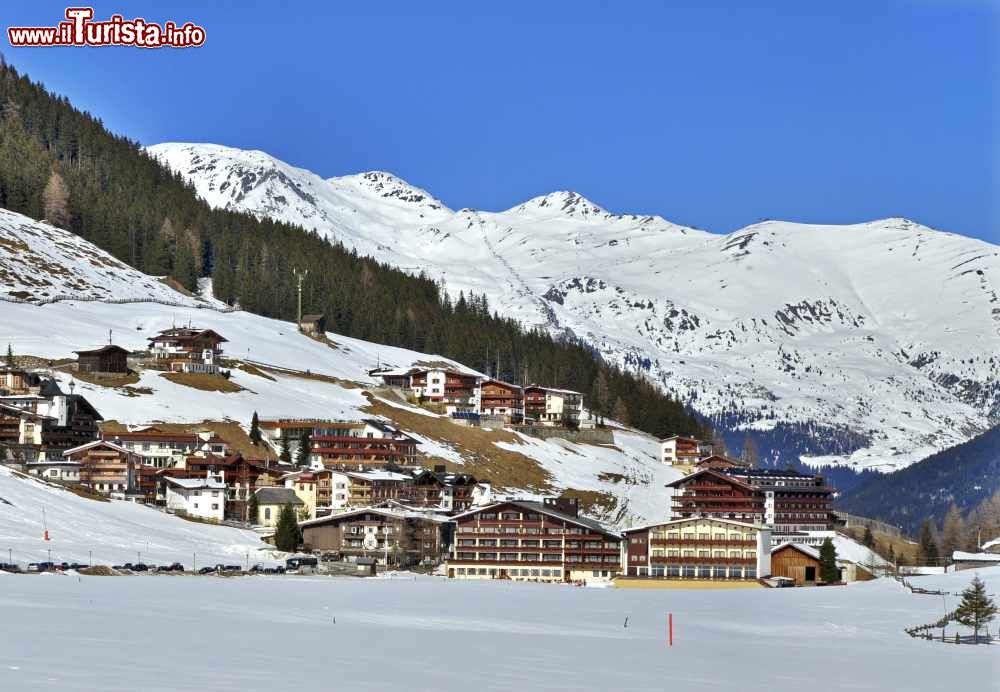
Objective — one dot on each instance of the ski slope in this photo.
(264, 633)
(83, 530)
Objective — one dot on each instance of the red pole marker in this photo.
(670, 629)
(46, 534)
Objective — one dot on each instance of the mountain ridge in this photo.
(887, 327)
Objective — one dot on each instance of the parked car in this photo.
(77, 565)
(176, 567)
(206, 570)
(40, 566)
(9, 567)
(232, 568)
(301, 564)
(140, 567)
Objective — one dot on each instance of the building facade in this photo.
(105, 467)
(184, 349)
(204, 498)
(108, 359)
(553, 407)
(533, 541)
(393, 536)
(502, 400)
(698, 548)
(679, 450)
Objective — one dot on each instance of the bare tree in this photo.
(55, 201)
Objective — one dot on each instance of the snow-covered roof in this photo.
(801, 547)
(196, 483)
(961, 556)
(995, 543)
(378, 475)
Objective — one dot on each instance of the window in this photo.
(196, 505)
(267, 512)
(215, 505)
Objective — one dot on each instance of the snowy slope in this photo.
(292, 375)
(432, 634)
(115, 531)
(889, 329)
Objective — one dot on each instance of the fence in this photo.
(114, 301)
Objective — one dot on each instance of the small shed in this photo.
(313, 324)
(106, 359)
(796, 561)
(365, 566)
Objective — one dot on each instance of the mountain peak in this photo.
(563, 203)
(389, 186)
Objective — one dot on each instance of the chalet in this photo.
(452, 389)
(395, 536)
(109, 359)
(61, 470)
(314, 325)
(502, 400)
(698, 548)
(163, 449)
(345, 444)
(788, 502)
(183, 349)
(17, 381)
(365, 488)
(204, 498)
(365, 443)
(964, 560)
(314, 488)
(55, 421)
(719, 462)
(533, 541)
(242, 477)
(552, 407)
(449, 492)
(105, 467)
(270, 502)
(679, 450)
(795, 561)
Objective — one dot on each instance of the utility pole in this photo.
(300, 277)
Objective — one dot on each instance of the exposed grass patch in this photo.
(905, 552)
(596, 503)
(307, 375)
(503, 468)
(100, 571)
(113, 381)
(205, 383)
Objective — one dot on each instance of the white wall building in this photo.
(197, 497)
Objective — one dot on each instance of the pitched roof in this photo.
(388, 512)
(277, 496)
(542, 508)
(718, 473)
(195, 483)
(311, 318)
(107, 348)
(806, 550)
(97, 443)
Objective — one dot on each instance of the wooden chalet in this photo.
(363, 444)
(796, 561)
(242, 477)
(680, 450)
(166, 449)
(18, 381)
(184, 349)
(105, 467)
(314, 325)
(719, 462)
(533, 541)
(394, 536)
(109, 359)
(552, 407)
(501, 399)
(364, 488)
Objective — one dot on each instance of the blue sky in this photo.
(712, 114)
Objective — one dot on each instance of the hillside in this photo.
(965, 475)
(278, 372)
(871, 345)
(116, 531)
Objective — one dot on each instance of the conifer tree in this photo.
(285, 455)
(869, 539)
(9, 359)
(286, 531)
(304, 449)
(952, 531)
(928, 546)
(253, 509)
(620, 413)
(55, 199)
(255, 429)
(828, 570)
(977, 609)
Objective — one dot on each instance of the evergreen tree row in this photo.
(60, 164)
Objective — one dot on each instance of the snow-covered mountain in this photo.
(71, 303)
(878, 340)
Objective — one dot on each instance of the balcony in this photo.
(704, 561)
